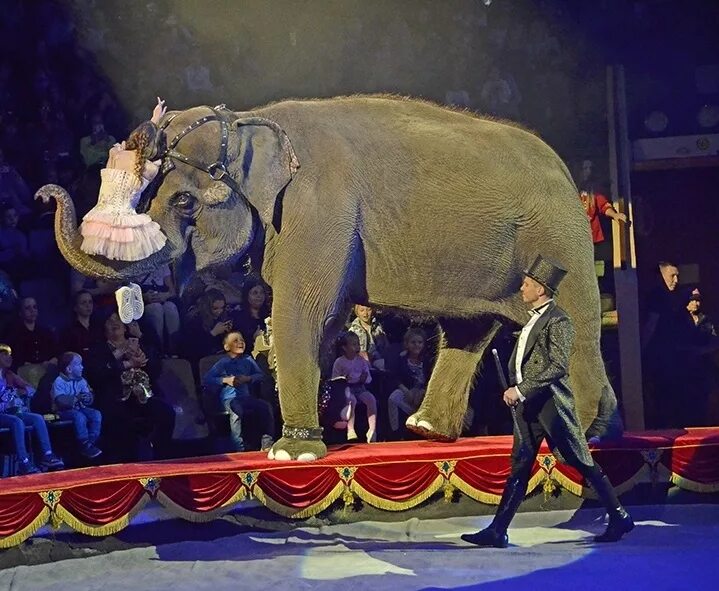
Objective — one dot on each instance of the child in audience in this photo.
(71, 399)
(371, 335)
(412, 376)
(356, 369)
(233, 373)
(15, 395)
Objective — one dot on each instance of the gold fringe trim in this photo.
(63, 515)
(535, 481)
(19, 537)
(390, 505)
(292, 512)
(448, 491)
(692, 485)
(566, 483)
(473, 493)
(200, 516)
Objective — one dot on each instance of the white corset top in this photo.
(120, 192)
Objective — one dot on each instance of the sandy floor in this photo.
(673, 547)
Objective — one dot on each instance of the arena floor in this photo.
(673, 547)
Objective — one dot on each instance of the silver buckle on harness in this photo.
(217, 171)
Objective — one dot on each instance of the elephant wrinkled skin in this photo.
(397, 203)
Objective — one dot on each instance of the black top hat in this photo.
(547, 272)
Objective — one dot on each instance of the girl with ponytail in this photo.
(113, 228)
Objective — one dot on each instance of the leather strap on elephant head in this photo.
(217, 170)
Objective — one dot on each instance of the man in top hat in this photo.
(544, 406)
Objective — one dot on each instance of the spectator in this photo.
(356, 370)
(118, 369)
(254, 312)
(71, 399)
(161, 314)
(31, 342)
(51, 135)
(14, 253)
(14, 191)
(232, 374)
(8, 300)
(227, 280)
(371, 335)
(500, 94)
(95, 147)
(15, 394)
(82, 332)
(412, 376)
(702, 345)
(662, 309)
(595, 204)
(701, 321)
(204, 334)
(101, 290)
(665, 349)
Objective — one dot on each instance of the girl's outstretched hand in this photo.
(159, 110)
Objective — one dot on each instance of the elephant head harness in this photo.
(217, 170)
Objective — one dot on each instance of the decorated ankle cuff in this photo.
(306, 433)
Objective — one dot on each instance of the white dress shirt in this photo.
(522, 343)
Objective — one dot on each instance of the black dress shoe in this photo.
(620, 523)
(487, 537)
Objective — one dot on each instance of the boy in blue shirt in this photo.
(71, 398)
(232, 374)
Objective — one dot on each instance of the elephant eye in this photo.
(184, 202)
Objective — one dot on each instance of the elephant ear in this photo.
(265, 163)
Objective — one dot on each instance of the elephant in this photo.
(388, 201)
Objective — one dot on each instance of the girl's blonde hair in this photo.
(142, 140)
(414, 332)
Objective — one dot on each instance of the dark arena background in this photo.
(174, 488)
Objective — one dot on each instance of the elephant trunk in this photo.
(68, 239)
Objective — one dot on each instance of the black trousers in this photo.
(535, 426)
(566, 441)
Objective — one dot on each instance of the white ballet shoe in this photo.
(138, 304)
(123, 297)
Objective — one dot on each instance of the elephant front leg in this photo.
(296, 343)
(441, 414)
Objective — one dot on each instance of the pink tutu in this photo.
(112, 228)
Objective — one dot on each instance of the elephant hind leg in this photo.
(462, 344)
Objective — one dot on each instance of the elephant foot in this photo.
(301, 445)
(422, 427)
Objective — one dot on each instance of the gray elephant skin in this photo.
(397, 203)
